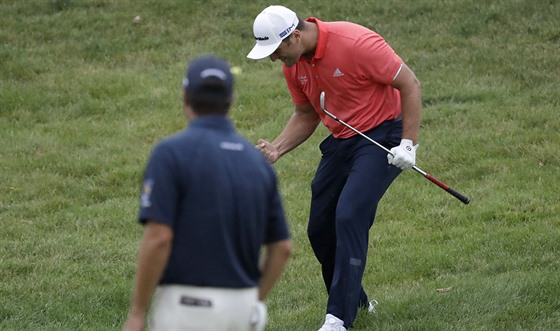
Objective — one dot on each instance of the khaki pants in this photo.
(178, 307)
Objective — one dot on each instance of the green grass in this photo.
(85, 92)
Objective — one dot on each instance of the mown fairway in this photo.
(85, 91)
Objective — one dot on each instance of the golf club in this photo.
(426, 175)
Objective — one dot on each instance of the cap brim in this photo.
(260, 52)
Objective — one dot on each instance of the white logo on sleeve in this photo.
(147, 189)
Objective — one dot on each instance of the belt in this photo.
(387, 122)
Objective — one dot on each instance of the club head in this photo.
(322, 100)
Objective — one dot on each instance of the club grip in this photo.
(448, 189)
(458, 195)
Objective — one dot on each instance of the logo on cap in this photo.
(285, 32)
(211, 72)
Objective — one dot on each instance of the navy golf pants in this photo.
(350, 180)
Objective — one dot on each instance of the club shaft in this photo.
(426, 175)
(357, 131)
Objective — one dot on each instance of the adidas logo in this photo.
(337, 73)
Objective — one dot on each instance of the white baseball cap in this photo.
(271, 26)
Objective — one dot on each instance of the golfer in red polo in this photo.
(369, 87)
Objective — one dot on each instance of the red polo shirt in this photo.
(354, 66)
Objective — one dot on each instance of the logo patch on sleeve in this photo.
(147, 188)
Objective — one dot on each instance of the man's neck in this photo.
(311, 37)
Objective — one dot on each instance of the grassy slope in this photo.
(85, 92)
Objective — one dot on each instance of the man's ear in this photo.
(185, 99)
(296, 35)
(187, 109)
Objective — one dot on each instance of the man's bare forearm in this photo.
(275, 260)
(152, 259)
(299, 128)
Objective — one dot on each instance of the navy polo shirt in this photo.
(220, 197)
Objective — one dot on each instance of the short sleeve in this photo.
(160, 192)
(277, 228)
(375, 59)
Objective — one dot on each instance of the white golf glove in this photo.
(259, 316)
(404, 155)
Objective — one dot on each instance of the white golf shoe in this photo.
(332, 323)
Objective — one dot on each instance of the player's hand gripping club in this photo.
(404, 155)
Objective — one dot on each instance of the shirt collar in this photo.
(321, 38)
(215, 122)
